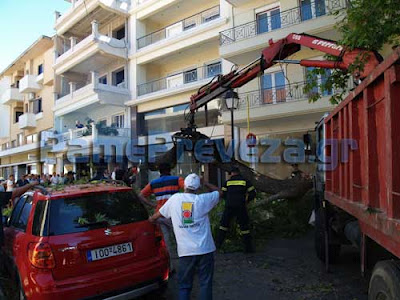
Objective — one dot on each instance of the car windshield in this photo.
(93, 211)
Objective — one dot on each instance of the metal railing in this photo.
(179, 27)
(180, 79)
(275, 21)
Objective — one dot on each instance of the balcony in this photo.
(11, 96)
(27, 121)
(93, 134)
(312, 18)
(185, 33)
(82, 12)
(93, 93)
(28, 84)
(282, 101)
(89, 51)
(190, 79)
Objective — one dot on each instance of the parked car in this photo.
(84, 242)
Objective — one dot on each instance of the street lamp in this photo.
(232, 102)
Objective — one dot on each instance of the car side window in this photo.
(22, 221)
(17, 210)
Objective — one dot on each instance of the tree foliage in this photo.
(366, 24)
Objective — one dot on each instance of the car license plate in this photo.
(109, 251)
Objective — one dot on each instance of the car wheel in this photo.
(385, 281)
(319, 241)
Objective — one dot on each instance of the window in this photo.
(40, 69)
(118, 78)
(33, 138)
(80, 214)
(20, 139)
(13, 143)
(37, 106)
(181, 107)
(321, 79)
(102, 123)
(273, 87)
(310, 9)
(17, 115)
(39, 219)
(190, 76)
(119, 34)
(118, 121)
(103, 79)
(213, 69)
(21, 220)
(17, 210)
(268, 20)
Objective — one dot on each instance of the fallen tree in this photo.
(292, 188)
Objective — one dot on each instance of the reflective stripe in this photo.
(245, 232)
(252, 188)
(236, 182)
(223, 228)
(224, 189)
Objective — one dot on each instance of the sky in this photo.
(22, 22)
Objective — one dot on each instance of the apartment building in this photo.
(275, 102)
(91, 84)
(130, 66)
(175, 51)
(26, 99)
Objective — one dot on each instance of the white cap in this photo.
(192, 182)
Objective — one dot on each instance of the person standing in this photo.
(163, 188)
(189, 214)
(10, 183)
(237, 193)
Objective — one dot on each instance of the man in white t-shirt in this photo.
(189, 214)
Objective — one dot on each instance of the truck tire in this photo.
(385, 281)
(319, 241)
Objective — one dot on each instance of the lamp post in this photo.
(232, 103)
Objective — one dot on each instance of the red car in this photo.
(84, 242)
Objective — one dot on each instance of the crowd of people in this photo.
(44, 179)
(128, 176)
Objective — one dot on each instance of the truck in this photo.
(358, 178)
(357, 184)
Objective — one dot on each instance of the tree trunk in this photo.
(292, 188)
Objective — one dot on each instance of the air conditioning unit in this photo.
(31, 96)
(32, 157)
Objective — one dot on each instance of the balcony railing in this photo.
(274, 21)
(92, 132)
(79, 90)
(179, 27)
(180, 79)
(77, 45)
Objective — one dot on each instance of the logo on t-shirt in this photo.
(187, 213)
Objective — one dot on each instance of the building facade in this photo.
(26, 106)
(124, 70)
(275, 104)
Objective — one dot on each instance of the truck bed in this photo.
(366, 184)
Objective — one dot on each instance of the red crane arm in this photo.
(280, 50)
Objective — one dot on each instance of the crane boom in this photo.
(280, 50)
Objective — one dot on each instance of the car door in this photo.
(15, 233)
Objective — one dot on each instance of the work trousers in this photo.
(242, 217)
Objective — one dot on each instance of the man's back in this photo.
(163, 188)
(189, 214)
